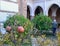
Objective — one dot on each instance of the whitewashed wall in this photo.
(8, 6)
(4, 15)
(14, 0)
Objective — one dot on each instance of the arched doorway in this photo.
(52, 11)
(38, 10)
(28, 12)
(58, 15)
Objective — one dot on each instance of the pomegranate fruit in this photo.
(8, 28)
(20, 29)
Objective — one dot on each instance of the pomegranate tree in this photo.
(19, 27)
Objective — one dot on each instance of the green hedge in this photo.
(42, 22)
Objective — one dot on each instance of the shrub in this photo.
(18, 20)
(42, 22)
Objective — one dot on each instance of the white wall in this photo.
(4, 15)
(14, 0)
(8, 6)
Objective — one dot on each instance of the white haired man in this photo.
(54, 26)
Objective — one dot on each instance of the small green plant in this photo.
(42, 22)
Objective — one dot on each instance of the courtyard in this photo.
(29, 22)
(20, 31)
